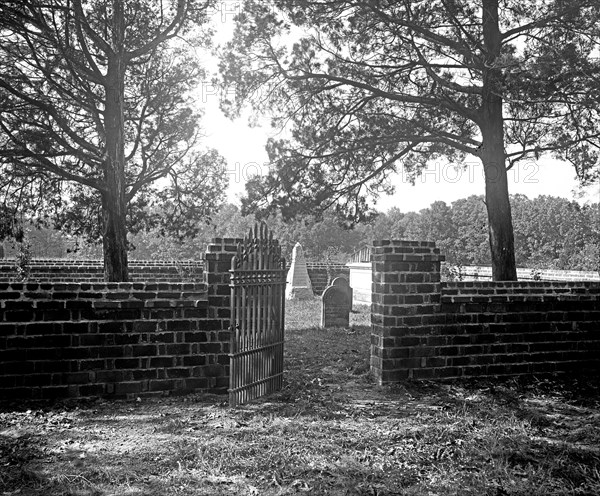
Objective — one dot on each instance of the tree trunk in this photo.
(114, 205)
(501, 235)
(114, 237)
(498, 209)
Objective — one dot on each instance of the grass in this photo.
(331, 430)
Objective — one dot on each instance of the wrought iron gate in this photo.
(257, 317)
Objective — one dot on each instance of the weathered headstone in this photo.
(342, 282)
(298, 285)
(335, 307)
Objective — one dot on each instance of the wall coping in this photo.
(531, 274)
(359, 265)
(94, 287)
(71, 261)
(476, 285)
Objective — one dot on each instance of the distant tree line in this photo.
(550, 232)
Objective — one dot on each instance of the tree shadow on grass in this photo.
(17, 452)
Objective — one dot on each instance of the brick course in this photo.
(422, 328)
(321, 274)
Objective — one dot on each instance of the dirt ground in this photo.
(331, 430)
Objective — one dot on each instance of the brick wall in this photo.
(484, 273)
(321, 274)
(43, 270)
(117, 339)
(422, 328)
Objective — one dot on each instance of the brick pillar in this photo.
(406, 293)
(218, 257)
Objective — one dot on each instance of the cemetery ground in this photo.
(331, 430)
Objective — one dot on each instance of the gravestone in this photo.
(342, 282)
(335, 307)
(298, 285)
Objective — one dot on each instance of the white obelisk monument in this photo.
(298, 285)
